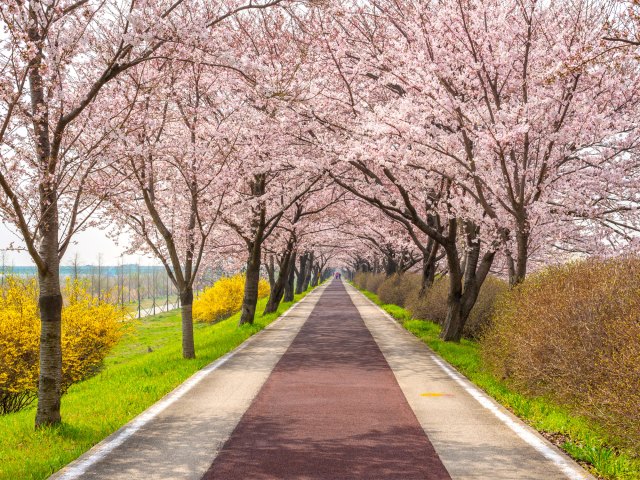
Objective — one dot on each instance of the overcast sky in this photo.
(88, 244)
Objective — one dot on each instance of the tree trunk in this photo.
(307, 276)
(271, 269)
(275, 296)
(464, 285)
(315, 276)
(511, 269)
(302, 273)
(429, 257)
(251, 285)
(517, 267)
(186, 302)
(390, 265)
(50, 298)
(288, 286)
(522, 242)
(277, 292)
(454, 323)
(50, 376)
(50, 304)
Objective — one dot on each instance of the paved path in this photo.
(330, 409)
(334, 390)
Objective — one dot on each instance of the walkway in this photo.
(330, 409)
(334, 390)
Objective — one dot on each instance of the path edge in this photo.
(563, 461)
(76, 468)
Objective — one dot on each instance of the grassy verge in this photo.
(583, 440)
(144, 366)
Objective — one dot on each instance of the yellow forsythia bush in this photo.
(90, 328)
(224, 298)
(572, 333)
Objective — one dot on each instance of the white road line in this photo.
(549, 453)
(101, 450)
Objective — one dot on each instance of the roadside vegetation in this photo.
(561, 351)
(144, 366)
(223, 298)
(90, 328)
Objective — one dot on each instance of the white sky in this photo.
(88, 244)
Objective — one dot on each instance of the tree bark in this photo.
(315, 276)
(50, 304)
(271, 269)
(251, 285)
(50, 376)
(277, 292)
(302, 273)
(288, 287)
(522, 243)
(390, 265)
(517, 268)
(511, 269)
(307, 276)
(464, 284)
(50, 298)
(186, 306)
(429, 261)
(455, 320)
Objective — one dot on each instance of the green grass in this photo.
(580, 438)
(133, 379)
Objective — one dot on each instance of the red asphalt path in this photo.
(331, 409)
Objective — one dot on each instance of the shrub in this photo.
(368, 281)
(374, 280)
(224, 298)
(396, 288)
(572, 333)
(89, 329)
(403, 290)
(481, 313)
(433, 305)
(360, 280)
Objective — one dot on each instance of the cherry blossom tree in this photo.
(510, 103)
(57, 56)
(306, 221)
(169, 159)
(475, 121)
(272, 167)
(625, 27)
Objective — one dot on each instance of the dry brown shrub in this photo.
(368, 281)
(480, 315)
(360, 280)
(433, 305)
(396, 288)
(573, 333)
(374, 280)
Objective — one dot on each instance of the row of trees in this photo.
(460, 136)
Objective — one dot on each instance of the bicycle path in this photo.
(331, 408)
(334, 390)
